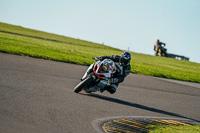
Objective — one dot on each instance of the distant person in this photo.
(159, 45)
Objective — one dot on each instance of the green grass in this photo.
(81, 52)
(174, 129)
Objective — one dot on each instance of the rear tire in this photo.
(83, 84)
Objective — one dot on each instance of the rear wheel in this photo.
(83, 84)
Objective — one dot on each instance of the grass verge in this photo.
(77, 51)
(174, 129)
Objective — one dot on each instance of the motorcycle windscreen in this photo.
(107, 66)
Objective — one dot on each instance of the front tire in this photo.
(83, 84)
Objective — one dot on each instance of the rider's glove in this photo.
(114, 80)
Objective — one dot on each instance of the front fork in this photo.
(87, 73)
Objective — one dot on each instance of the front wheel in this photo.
(83, 84)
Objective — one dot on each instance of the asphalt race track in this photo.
(36, 96)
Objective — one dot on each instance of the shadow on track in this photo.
(135, 105)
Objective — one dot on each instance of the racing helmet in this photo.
(125, 58)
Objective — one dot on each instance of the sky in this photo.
(123, 24)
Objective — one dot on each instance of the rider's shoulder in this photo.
(115, 56)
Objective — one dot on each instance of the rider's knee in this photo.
(112, 89)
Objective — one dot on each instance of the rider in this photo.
(123, 64)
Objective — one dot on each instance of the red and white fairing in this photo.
(104, 69)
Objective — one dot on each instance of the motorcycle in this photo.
(99, 71)
(162, 51)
